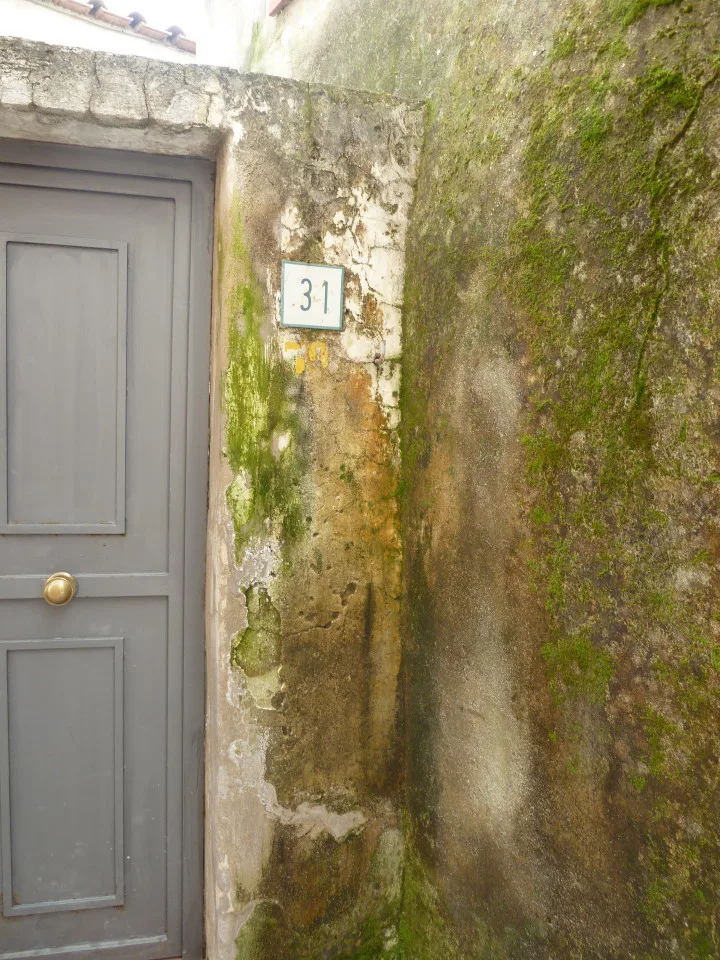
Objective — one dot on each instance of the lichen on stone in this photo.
(602, 285)
(606, 272)
(267, 484)
(257, 650)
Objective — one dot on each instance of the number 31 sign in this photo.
(312, 296)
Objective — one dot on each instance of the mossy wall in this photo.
(560, 466)
(304, 793)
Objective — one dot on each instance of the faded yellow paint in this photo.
(292, 346)
(316, 350)
(319, 348)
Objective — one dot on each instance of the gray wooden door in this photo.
(104, 340)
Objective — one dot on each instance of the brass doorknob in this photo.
(60, 588)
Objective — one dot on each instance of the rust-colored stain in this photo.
(340, 610)
(372, 314)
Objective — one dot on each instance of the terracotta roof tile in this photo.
(152, 33)
(275, 6)
(107, 16)
(75, 6)
(133, 22)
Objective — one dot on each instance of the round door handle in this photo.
(60, 588)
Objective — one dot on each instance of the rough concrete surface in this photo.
(560, 451)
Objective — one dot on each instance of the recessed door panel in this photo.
(104, 316)
(61, 769)
(65, 323)
(145, 822)
(157, 254)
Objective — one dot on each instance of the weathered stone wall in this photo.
(559, 491)
(405, 48)
(305, 579)
(304, 847)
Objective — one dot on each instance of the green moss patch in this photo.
(257, 650)
(606, 281)
(598, 270)
(263, 437)
(263, 935)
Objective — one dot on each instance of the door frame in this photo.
(200, 174)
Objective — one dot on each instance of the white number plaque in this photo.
(312, 296)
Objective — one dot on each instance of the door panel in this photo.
(65, 339)
(104, 282)
(61, 763)
(156, 290)
(149, 841)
